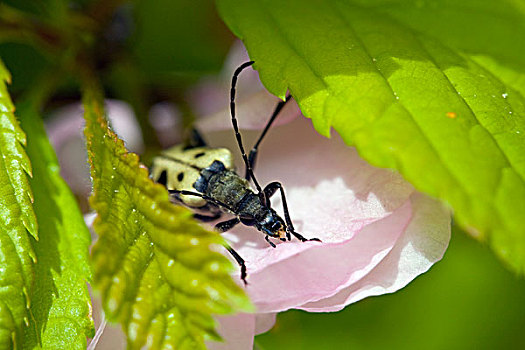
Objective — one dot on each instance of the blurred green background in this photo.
(466, 301)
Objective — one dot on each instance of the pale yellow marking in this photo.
(191, 175)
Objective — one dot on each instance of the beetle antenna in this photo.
(249, 170)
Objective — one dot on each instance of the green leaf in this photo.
(17, 219)
(432, 89)
(152, 262)
(176, 47)
(60, 302)
(25, 64)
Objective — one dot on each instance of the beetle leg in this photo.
(240, 261)
(224, 226)
(195, 140)
(247, 219)
(270, 189)
(206, 218)
(268, 240)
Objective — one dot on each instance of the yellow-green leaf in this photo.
(60, 302)
(433, 89)
(17, 219)
(153, 263)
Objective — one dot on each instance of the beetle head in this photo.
(273, 225)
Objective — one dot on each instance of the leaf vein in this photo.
(428, 140)
(465, 103)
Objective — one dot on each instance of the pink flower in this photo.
(377, 232)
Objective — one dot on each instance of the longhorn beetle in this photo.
(204, 179)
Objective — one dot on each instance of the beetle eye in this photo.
(276, 225)
(248, 220)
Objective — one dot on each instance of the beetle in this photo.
(204, 179)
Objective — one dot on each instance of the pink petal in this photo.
(237, 332)
(322, 271)
(264, 322)
(421, 245)
(358, 211)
